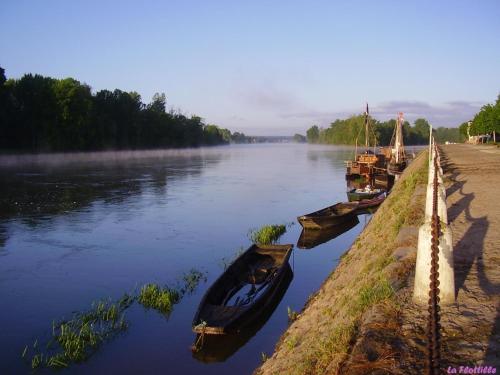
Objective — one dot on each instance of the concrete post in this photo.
(423, 266)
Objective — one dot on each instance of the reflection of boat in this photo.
(218, 348)
(248, 285)
(312, 238)
(397, 164)
(328, 217)
(367, 193)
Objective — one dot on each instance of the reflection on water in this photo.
(74, 230)
(311, 238)
(218, 348)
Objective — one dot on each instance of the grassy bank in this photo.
(328, 336)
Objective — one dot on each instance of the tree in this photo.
(313, 134)
(299, 138)
(422, 127)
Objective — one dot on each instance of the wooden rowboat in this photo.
(248, 285)
(218, 348)
(329, 216)
(369, 203)
(359, 194)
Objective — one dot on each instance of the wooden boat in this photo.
(370, 162)
(218, 348)
(247, 286)
(397, 163)
(360, 194)
(369, 203)
(312, 238)
(329, 216)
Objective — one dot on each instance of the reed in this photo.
(191, 280)
(162, 299)
(74, 340)
(267, 234)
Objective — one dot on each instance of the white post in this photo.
(423, 266)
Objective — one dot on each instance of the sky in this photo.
(268, 67)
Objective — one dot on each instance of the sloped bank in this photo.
(352, 324)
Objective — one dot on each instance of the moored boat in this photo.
(218, 348)
(247, 286)
(370, 203)
(397, 163)
(370, 162)
(328, 217)
(366, 193)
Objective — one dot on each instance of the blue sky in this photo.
(268, 67)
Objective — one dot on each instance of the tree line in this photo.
(43, 114)
(486, 121)
(351, 130)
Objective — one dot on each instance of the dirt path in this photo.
(474, 216)
(471, 327)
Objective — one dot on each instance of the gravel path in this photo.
(473, 201)
(471, 327)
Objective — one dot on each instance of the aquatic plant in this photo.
(267, 234)
(292, 315)
(75, 339)
(159, 298)
(191, 280)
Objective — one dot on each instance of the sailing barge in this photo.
(397, 164)
(368, 164)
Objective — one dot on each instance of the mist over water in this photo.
(79, 227)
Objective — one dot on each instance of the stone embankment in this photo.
(363, 319)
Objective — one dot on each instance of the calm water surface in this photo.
(72, 233)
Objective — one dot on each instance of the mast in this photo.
(366, 126)
(398, 144)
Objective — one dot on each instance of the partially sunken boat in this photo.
(367, 164)
(397, 163)
(329, 216)
(249, 285)
(218, 348)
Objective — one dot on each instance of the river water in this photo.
(74, 231)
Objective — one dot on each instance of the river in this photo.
(73, 231)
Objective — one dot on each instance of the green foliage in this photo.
(299, 138)
(486, 121)
(351, 130)
(371, 294)
(267, 234)
(45, 114)
(74, 340)
(191, 280)
(313, 134)
(159, 298)
(292, 315)
(442, 135)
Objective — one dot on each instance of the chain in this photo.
(433, 327)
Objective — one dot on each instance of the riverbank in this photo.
(353, 323)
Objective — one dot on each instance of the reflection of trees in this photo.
(36, 193)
